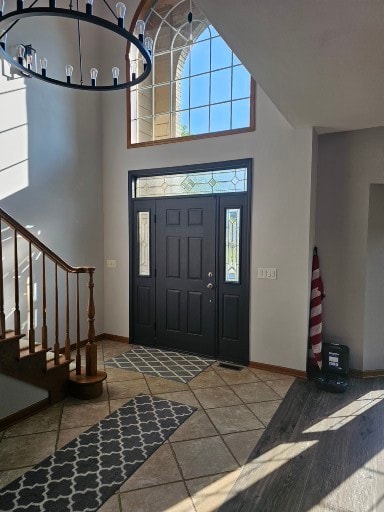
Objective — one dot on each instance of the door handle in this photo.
(210, 286)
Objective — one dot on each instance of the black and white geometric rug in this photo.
(82, 475)
(161, 363)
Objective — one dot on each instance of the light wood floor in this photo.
(321, 452)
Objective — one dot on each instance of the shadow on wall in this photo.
(38, 169)
(51, 167)
(13, 133)
(18, 282)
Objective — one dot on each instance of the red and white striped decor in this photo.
(315, 321)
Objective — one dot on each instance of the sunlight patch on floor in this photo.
(271, 461)
(282, 454)
(180, 506)
(345, 415)
(207, 498)
(356, 491)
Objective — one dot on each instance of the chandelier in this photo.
(25, 61)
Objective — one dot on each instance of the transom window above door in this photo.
(192, 183)
(197, 87)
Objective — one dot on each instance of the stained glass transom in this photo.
(143, 231)
(232, 245)
(208, 182)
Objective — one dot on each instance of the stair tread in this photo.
(11, 335)
(51, 355)
(23, 344)
(51, 364)
(26, 353)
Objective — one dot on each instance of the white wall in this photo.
(281, 221)
(51, 175)
(374, 290)
(348, 163)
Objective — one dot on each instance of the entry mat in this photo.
(82, 475)
(170, 365)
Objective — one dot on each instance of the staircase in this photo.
(33, 367)
(32, 360)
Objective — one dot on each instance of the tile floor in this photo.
(193, 471)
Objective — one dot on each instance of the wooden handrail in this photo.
(90, 369)
(21, 230)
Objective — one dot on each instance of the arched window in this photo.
(197, 88)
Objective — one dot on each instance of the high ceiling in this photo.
(320, 61)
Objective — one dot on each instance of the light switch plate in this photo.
(111, 263)
(266, 273)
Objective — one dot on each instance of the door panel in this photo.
(173, 256)
(233, 282)
(230, 317)
(144, 282)
(173, 310)
(144, 306)
(195, 258)
(194, 313)
(185, 254)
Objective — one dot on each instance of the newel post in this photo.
(91, 348)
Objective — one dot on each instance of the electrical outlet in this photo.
(111, 263)
(266, 273)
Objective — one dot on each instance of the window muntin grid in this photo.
(181, 98)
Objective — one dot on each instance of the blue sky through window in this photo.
(213, 78)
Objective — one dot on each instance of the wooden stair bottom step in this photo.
(85, 387)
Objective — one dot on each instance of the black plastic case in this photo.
(334, 375)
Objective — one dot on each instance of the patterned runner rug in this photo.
(161, 363)
(82, 475)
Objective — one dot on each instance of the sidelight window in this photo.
(143, 231)
(232, 245)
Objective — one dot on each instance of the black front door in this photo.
(190, 274)
(186, 274)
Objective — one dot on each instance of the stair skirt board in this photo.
(27, 384)
(17, 395)
(23, 414)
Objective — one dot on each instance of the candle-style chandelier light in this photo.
(25, 60)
